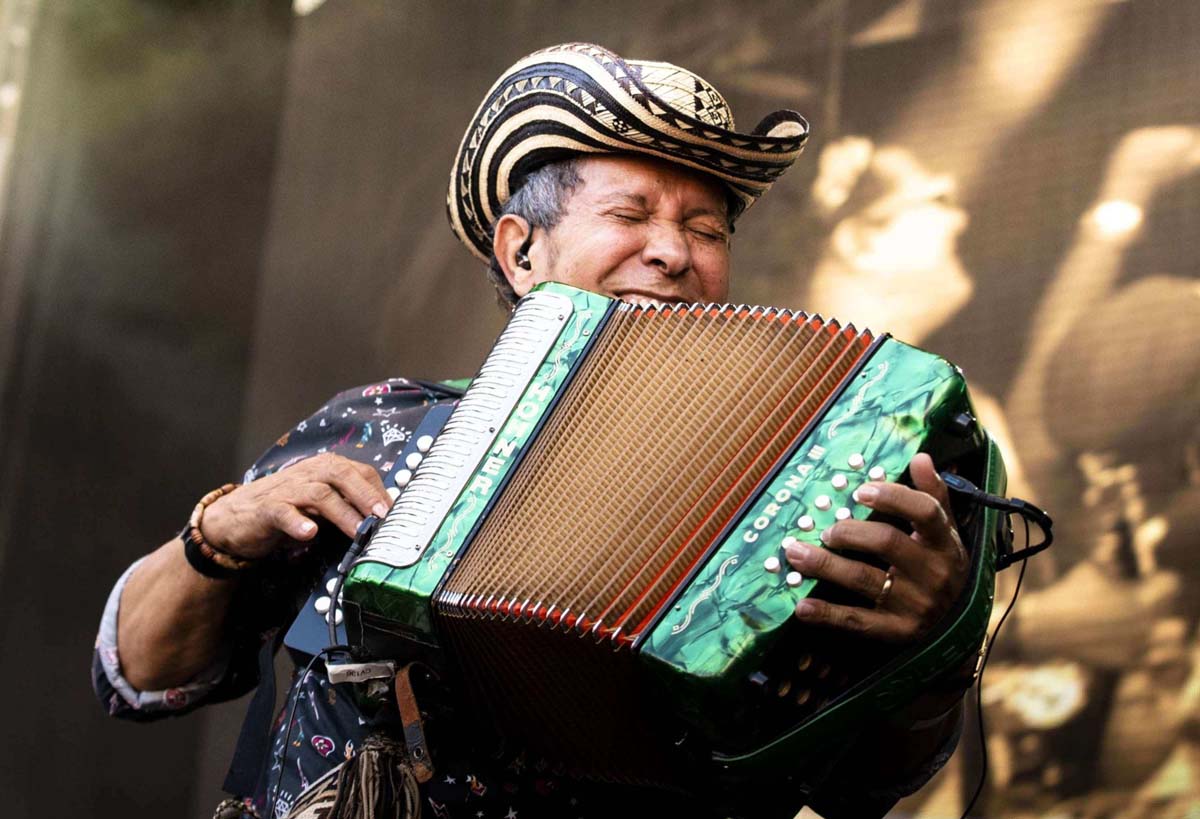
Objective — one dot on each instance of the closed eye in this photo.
(628, 216)
(709, 234)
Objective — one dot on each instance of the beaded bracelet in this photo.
(202, 555)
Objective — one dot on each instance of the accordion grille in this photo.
(675, 417)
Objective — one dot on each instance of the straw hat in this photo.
(579, 98)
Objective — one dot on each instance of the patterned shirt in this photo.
(321, 723)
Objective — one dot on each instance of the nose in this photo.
(666, 249)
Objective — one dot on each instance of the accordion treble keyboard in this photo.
(465, 439)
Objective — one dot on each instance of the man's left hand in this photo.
(928, 567)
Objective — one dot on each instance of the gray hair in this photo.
(542, 202)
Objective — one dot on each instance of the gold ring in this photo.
(888, 579)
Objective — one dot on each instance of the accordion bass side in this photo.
(590, 551)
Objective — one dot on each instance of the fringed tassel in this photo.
(377, 783)
(233, 809)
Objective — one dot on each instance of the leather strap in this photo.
(414, 729)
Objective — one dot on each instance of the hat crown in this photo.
(684, 91)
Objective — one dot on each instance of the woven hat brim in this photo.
(582, 99)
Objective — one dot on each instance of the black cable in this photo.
(361, 538)
(1017, 506)
(365, 529)
(287, 735)
(979, 684)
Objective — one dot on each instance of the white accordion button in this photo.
(403, 477)
(788, 541)
(413, 460)
(393, 492)
(337, 617)
(794, 579)
(772, 564)
(322, 604)
(329, 586)
(823, 502)
(842, 514)
(840, 482)
(876, 473)
(856, 461)
(424, 442)
(806, 523)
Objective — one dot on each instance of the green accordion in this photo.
(589, 552)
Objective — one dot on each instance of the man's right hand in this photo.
(277, 511)
(172, 621)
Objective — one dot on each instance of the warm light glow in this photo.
(304, 7)
(1116, 218)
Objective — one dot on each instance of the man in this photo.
(621, 177)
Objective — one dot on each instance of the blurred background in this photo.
(214, 214)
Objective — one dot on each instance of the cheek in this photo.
(595, 255)
(712, 270)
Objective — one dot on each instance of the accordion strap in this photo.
(414, 727)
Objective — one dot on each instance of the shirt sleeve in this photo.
(120, 697)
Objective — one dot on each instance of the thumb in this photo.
(926, 479)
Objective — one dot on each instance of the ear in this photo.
(510, 234)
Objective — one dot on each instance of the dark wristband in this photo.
(200, 554)
(198, 561)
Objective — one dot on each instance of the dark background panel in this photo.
(138, 203)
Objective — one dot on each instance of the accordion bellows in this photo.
(633, 477)
(586, 549)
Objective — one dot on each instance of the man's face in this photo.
(638, 230)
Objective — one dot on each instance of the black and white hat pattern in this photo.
(580, 98)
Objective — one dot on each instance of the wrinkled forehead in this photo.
(646, 179)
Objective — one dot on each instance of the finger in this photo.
(370, 474)
(926, 479)
(929, 520)
(290, 521)
(327, 502)
(882, 540)
(358, 483)
(854, 575)
(874, 624)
